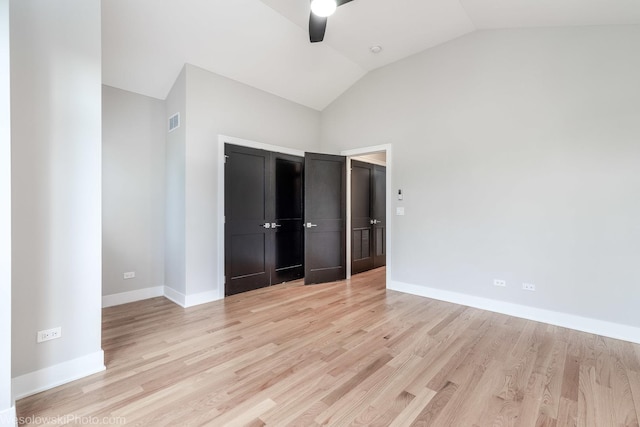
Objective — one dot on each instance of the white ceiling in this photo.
(264, 43)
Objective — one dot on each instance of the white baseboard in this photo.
(8, 417)
(201, 298)
(187, 301)
(171, 294)
(53, 376)
(175, 296)
(132, 296)
(571, 321)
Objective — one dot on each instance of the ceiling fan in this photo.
(320, 11)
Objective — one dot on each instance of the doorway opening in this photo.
(368, 212)
(379, 155)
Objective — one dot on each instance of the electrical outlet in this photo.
(130, 275)
(528, 286)
(49, 334)
(501, 283)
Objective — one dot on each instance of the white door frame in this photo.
(387, 148)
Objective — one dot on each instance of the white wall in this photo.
(56, 181)
(217, 105)
(133, 187)
(175, 189)
(6, 400)
(517, 152)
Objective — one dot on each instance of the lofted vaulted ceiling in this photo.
(264, 43)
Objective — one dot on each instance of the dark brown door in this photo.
(361, 217)
(379, 214)
(248, 233)
(264, 238)
(289, 214)
(368, 216)
(325, 218)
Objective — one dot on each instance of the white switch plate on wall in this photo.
(400, 211)
(130, 275)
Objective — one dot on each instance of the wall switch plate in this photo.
(130, 275)
(528, 286)
(49, 334)
(400, 211)
(501, 283)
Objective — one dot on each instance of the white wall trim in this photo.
(571, 321)
(175, 296)
(367, 150)
(222, 139)
(221, 285)
(184, 301)
(201, 298)
(53, 376)
(132, 296)
(347, 230)
(372, 161)
(8, 417)
(388, 149)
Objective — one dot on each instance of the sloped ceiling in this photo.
(264, 43)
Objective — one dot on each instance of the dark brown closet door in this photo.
(248, 232)
(325, 218)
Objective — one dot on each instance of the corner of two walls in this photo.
(174, 181)
(143, 196)
(517, 154)
(133, 196)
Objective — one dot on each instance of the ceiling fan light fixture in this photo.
(323, 8)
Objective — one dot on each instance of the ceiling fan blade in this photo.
(317, 27)
(341, 2)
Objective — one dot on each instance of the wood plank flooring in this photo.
(342, 354)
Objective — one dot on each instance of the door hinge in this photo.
(225, 158)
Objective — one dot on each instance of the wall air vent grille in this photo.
(174, 122)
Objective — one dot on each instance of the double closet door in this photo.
(264, 213)
(368, 216)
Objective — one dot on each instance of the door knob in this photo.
(265, 225)
(309, 225)
(274, 225)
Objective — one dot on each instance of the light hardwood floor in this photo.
(345, 354)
